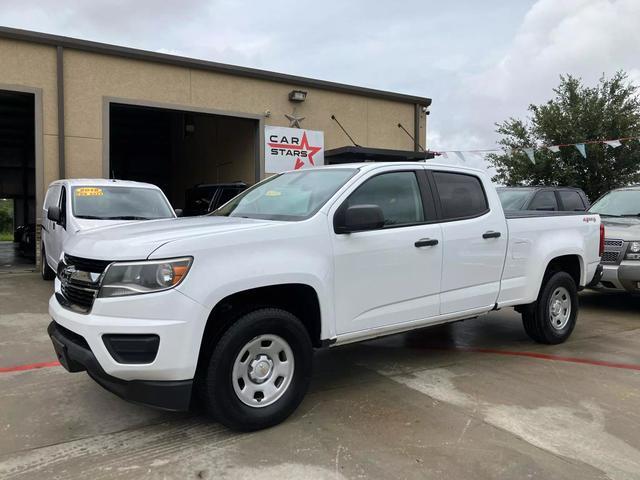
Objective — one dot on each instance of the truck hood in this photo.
(137, 240)
(622, 228)
(85, 224)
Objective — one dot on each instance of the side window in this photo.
(545, 200)
(396, 193)
(227, 194)
(572, 201)
(461, 195)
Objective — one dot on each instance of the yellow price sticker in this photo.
(89, 192)
(273, 193)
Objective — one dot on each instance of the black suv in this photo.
(543, 198)
(205, 198)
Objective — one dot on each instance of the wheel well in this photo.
(566, 263)
(299, 299)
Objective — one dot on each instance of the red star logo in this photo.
(304, 146)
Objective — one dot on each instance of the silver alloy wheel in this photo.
(559, 308)
(263, 370)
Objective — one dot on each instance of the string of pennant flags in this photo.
(531, 151)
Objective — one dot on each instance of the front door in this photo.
(58, 233)
(391, 275)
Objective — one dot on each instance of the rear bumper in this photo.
(75, 355)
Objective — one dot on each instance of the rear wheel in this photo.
(552, 318)
(46, 271)
(259, 370)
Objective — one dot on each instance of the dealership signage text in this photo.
(292, 149)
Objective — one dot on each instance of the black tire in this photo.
(538, 319)
(45, 270)
(219, 394)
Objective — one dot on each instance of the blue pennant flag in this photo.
(582, 149)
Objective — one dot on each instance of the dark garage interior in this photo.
(176, 150)
(17, 179)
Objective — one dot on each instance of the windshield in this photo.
(119, 203)
(289, 196)
(513, 199)
(618, 203)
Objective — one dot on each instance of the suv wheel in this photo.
(259, 370)
(45, 269)
(552, 318)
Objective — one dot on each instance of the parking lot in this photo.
(475, 399)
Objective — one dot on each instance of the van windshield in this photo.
(119, 203)
(288, 196)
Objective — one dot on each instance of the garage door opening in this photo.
(17, 180)
(176, 150)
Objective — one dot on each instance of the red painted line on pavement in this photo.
(546, 356)
(30, 366)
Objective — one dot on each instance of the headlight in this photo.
(134, 278)
(633, 253)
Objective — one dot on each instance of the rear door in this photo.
(388, 276)
(474, 235)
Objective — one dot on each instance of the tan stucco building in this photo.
(95, 110)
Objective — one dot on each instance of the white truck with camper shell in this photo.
(73, 205)
(229, 307)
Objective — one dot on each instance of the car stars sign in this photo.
(292, 149)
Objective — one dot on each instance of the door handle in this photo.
(491, 234)
(426, 242)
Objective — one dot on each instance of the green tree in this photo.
(576, 114)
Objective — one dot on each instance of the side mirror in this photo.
(178, 212)
(54, 214)
(358, 218)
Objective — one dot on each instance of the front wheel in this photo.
(45, 270)
(552, 318)
(259, 370)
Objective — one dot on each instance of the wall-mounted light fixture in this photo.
(297, 96)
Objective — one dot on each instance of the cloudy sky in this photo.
(480, 61)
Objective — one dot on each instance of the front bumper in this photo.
(623, 277)
(74, 354)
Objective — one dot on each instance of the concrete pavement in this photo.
(476, 399)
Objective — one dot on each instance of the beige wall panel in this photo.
(383, 119)
(50, 155)
(84, 157)
(226, 92)
(89, 77)
(31, 65)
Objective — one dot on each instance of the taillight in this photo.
(601, 240)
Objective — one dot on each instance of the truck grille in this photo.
(80, 281)
(612, 250)
(86, 264)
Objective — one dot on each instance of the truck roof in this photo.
(103, 182)
(365, 166)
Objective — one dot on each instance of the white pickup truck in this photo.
(231, 305)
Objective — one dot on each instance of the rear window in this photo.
(572, 201)
(461, 195)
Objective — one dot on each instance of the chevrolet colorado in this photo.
(230, 306)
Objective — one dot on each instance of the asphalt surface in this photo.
(475, 399)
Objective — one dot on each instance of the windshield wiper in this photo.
(631, 215)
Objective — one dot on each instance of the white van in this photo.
(80, 204)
